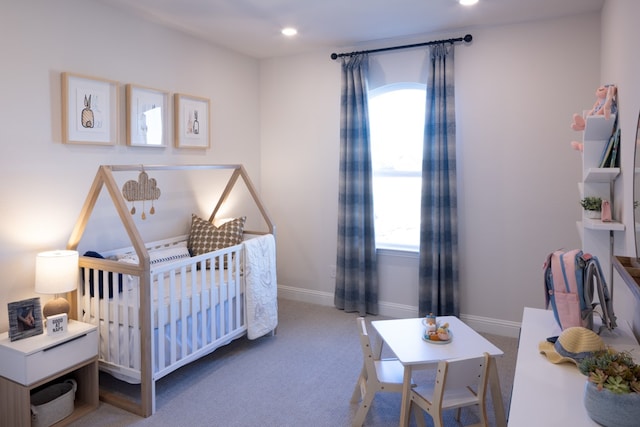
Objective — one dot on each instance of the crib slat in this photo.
(202, 278)
(224, 298)
(194, 310)
(213, 304)
(158, 358)
(184, 314)
(122, 299)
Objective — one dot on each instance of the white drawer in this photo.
(55, 359)
(27, 367)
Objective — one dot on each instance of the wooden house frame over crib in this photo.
(105, 178)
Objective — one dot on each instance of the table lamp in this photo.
(56, 273)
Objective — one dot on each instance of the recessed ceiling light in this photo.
(289, 31)
(467, 2)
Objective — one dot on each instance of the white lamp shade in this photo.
(56, 272)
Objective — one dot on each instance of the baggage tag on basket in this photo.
(57, 324)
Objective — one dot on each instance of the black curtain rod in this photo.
(466, 39)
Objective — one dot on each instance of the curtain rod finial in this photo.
(468, 38)
(334, 56)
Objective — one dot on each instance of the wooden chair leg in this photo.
(357, 391)
(437, 419)
(358, 420)
(484, 422)
(418, 414)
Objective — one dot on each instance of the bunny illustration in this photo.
(87, 114)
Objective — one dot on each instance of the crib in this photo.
(158, 308)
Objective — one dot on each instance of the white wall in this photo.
(517, 87)
(621, 65)
(516, 90)
(43, 183)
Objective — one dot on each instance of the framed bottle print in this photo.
(191, 121)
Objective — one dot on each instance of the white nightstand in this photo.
(31, 362)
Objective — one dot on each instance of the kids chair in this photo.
(458, 383)
(376, 375)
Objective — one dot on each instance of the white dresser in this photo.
(546, 394)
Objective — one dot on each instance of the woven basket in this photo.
(53, 403)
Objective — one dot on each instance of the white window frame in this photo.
(390, 245)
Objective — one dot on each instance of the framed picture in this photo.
(191, 121)
(89, 110)
(147, 116)
(25, 319)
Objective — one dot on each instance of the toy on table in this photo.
(435, 332)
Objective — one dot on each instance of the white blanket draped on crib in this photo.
(261, 285)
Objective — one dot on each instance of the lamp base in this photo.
(56, 306)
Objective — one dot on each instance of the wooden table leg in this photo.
(406, 401)
(496, 393)
(376, 348)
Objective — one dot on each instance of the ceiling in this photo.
(252, 27)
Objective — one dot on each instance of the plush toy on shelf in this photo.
(605, 105)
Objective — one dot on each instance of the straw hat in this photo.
(573, 345)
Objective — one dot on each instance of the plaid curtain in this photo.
(438, 276)
(356, 264)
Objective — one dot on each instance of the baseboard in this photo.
(481, 324)
(489, 325)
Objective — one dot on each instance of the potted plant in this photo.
(612, 391)
(592, 206)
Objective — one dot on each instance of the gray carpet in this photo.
(303, 376)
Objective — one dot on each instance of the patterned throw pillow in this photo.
(205, 237)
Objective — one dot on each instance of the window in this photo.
(396, 119)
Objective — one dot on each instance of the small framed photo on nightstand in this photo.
(25, 319)
(57, 324)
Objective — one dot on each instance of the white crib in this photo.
(154, 318)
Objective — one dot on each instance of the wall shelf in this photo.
(596, 235)
(596, 224)
(601, 174)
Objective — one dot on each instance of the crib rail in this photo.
(205, 308)
(197, 306)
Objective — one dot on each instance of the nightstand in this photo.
(32, 362)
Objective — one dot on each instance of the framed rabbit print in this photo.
(89, 110)
(191, 121)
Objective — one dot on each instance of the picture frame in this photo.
(89, 110)
(191, 121)
(25, 319)
(147, 116)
